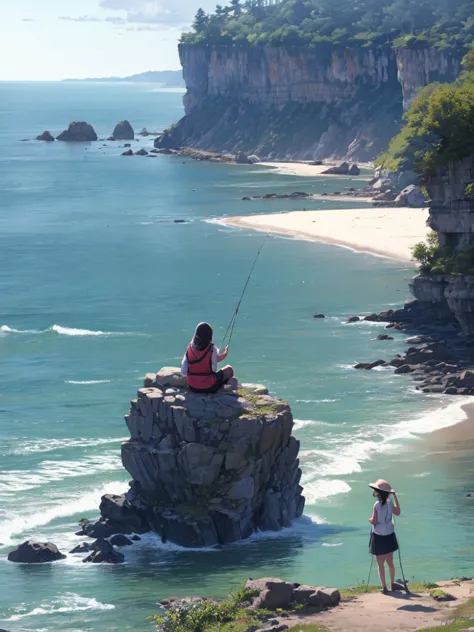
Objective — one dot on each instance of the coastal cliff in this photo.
(419, 67)
(300, 102)
(452, 218)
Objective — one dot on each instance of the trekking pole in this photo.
(236, 312)
(401, 564)
(370, 573)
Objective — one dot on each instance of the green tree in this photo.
(236, 7)
(201, 20)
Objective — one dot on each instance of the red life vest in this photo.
(200, 373)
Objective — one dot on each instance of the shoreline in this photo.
(388, 232)
(308, 170)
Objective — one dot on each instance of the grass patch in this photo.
(360, 589)
(461, 619)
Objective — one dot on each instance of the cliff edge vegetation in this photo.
(442, 25)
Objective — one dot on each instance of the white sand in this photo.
(305, 169)
(390, 232)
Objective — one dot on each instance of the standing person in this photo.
(200, 362)
(383, 541)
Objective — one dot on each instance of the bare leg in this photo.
(228, 373)
(391, 566)
(381, 565)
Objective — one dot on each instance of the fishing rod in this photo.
(233, 320)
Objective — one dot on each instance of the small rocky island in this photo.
(211, 469)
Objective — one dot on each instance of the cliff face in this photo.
(418, 68)
(288, 102)
(452, 217)
(294, 102)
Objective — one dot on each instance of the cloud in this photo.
(82, 18)
(161, 12)
(115, 20)
(27, 20)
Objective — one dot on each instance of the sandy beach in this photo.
(306, 169)
(386, 231)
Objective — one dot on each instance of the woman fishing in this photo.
(383, 541)
(200, 362)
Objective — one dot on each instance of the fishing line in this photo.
(400, 559)
(233, 320)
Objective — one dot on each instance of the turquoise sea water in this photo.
(98, 287)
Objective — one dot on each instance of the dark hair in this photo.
(202, 336)
(382, 496)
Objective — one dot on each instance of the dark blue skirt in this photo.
(383, 544)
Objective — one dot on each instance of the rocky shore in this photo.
(439, 358)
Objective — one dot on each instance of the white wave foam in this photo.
(87, 382)
(33, 446)
(66, 331)
(332, 545)
(16, 524)
(53, 471)
(301, 423)
(315, 401)
(68, 602)
(324, 488)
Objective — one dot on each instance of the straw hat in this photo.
(382, 486)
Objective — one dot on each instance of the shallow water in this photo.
(98, 287)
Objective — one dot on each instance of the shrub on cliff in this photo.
(439, 127)
(434, 259)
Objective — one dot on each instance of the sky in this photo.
(47, 40)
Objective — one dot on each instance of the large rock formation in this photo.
(31, 552)
(210, 469)
(123, 131)
(46, 136)
(78, 131)
(452, 217)
(421, 66)
(298, 102)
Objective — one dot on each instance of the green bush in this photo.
(434, 259)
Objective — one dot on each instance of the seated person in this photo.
(200, 362)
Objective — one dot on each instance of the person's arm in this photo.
(396, 507)
(373, 518)
(222, 356)
(215, 358)
(184, 365)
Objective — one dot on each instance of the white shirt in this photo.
(215, 354)
(384, 524)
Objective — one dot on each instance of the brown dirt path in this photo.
(399, 612)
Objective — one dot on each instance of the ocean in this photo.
(99, 286)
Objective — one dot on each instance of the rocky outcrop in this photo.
(452, 217)
(31, 552)
(419, 67)
(411, 196)
(78, 131)
(46, 136)
(123, 131)
(210, 469)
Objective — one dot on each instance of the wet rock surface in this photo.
(440, 358)
(207, 469)
(31, 552)
(78, 131)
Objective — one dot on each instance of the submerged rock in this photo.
(129, 152)
(31, 552)
(208, 469)
(123, 131)
(78, 131)
(103, 552)
(141, 152)
(46, 136)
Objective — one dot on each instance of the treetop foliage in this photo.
(443, 24)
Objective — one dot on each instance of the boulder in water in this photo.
(31, 552)
(46, 136)
(123, 131)
(129, 152)
(241, 158)
(104, 552)
(78, 131)
(354, 170)
(141, 152)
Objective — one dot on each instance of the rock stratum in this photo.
(207, 469)
(297, 102)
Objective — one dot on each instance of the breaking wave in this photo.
(68, 602)
(65, 331)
